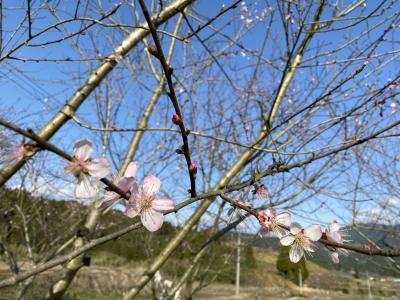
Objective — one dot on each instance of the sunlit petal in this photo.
(83, 150)
(152, 219)
(99, 167)
(296, 253)
(151, 185)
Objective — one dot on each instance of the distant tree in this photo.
(291, 270)
(248, 257)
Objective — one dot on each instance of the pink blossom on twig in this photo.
(301, 240)
(82, 167)
(143, 202)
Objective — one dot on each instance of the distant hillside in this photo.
(354, 262)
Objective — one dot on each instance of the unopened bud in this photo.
(193, 168)
(176, 119)
(152, 50)
(179, 151)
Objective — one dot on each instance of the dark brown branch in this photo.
(172, 95)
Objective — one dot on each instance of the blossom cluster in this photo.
(299, 239)
(142, 198)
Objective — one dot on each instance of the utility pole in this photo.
(301, 281)
(238, 265)
(369, 287)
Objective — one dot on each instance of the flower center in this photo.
(145, 202)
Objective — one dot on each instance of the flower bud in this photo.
(193, 168)
(152, 50)
(176, 119)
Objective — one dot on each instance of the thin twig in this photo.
(168, 74)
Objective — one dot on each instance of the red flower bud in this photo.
(193, 168)
(176, 119)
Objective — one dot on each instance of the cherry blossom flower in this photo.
(17, 151)
(335, 234)
(143, 202)
(82, 167)
(269, 220)
(260, 191)
(301, 240)
(236, 211)
(125, 183)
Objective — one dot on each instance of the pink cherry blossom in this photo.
(260, 191)
(269, 220)
(335, 234)
(82, 167)
(17, 151)
(243, 200)
(143, 202)
(301, 240)
(125, 183)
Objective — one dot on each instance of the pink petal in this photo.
(287, 240)
(152, 219)
(83, 150)
(131, 170)
(151, 185)
(125, 183)
(334, 237)
(296, 253)
(135, 189)
(99, 167)
(107, 203)
(283, 218)
(109, 195)
(334, 226)
(335, 257)
(295, 228)
(85, 189)
(269, 212)
(313, 232)
(131, 209)
(162, 204)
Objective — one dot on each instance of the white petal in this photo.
(308, 245)
(334, 226)
(83, 150)
(152, 219)
(85, 188)
(279, 231)
(131, 170)
(283, 218)
(287, 240)
(296, 253)
(295, 228)
(162, 204)
(335, 257)
(334, 237)
(313, 232)
(151, 185)
(99, 167)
